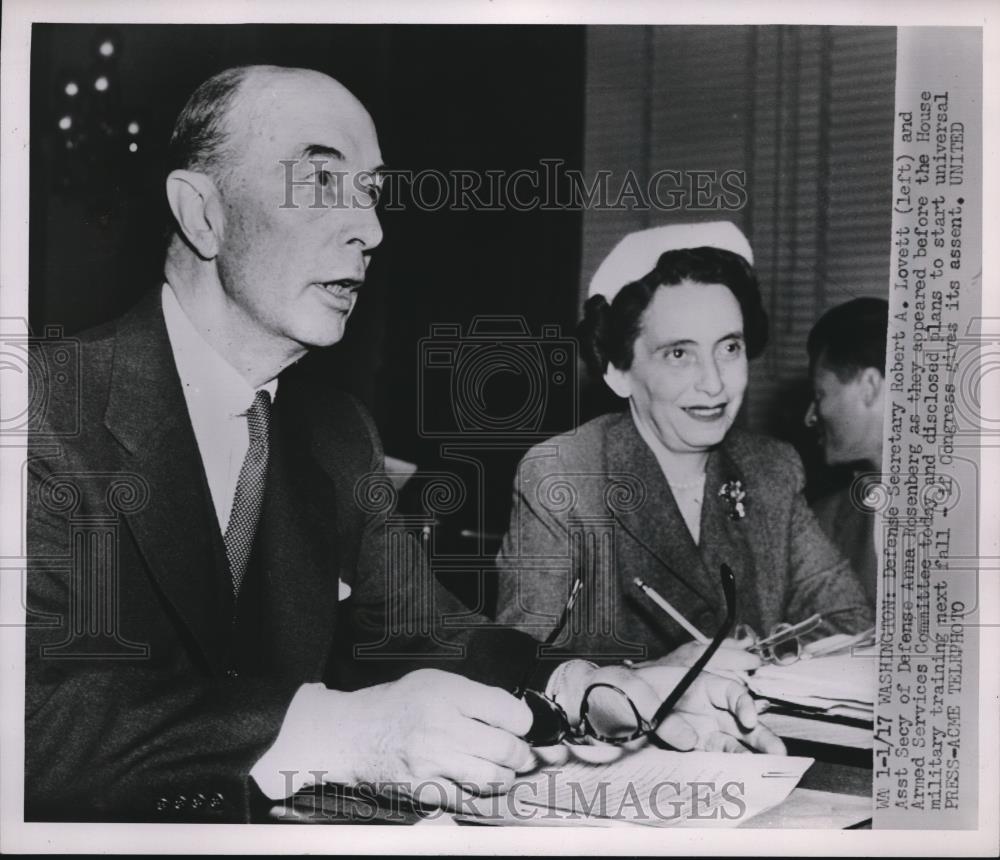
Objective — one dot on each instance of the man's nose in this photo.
(810, 417)
(366, 229)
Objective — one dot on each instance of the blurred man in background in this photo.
(847, 367)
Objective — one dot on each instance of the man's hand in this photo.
(433, 735)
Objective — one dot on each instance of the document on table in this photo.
(649, 787)
(829, 699)
(841, 685)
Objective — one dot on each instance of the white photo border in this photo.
(15, 835)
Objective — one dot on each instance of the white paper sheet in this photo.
(648, 787)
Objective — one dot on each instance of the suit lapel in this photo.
(724, 538)
(176, 531)
(676, 568)
(298, 541)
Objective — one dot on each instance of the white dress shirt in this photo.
(217, 400)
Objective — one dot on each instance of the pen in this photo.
(653, 595)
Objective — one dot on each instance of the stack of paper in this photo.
(835, 693)
(649, 787)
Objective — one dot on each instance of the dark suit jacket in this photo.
(595, 501)
(149, 693)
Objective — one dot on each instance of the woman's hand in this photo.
(721, 712)
(732, 656)
(715, 713)
(610, 715)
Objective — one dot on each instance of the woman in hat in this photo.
(669, 491)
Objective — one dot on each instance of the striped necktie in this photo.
(249, 497)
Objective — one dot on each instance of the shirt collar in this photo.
(206, 376)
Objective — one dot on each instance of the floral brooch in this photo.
(734, 494)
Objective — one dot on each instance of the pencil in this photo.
(660, 601)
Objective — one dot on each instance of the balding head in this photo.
(273, 188)
(208, 136)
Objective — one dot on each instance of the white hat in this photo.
(635, 256)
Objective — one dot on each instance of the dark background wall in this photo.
(443, 97)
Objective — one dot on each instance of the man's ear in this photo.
(871, 383)
(197, 207)
(618, 381)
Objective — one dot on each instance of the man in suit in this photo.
(208, 547)
(847, 367)
(226, 597)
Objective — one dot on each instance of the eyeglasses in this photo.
(784, 644)
(607, 714)
(788, 643)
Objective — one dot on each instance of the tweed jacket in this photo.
(594, 503)
(150, 691)
(852, 530)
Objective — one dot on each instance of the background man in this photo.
(247, 559)
(847, 366)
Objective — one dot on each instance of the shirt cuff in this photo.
(283, 769)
